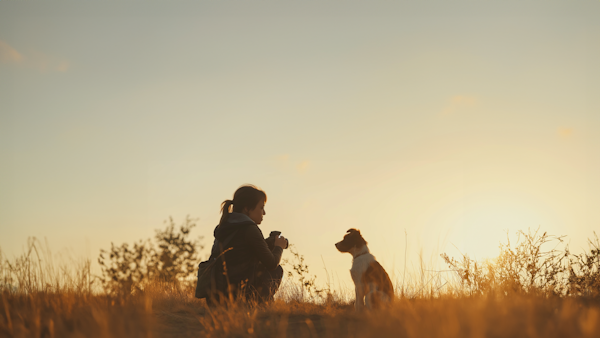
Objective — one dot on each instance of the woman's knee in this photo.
(277, 273)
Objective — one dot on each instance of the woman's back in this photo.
(244, 261)
(245, 249)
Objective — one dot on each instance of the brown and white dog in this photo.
(372, 284)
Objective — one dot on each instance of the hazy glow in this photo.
(443, 124)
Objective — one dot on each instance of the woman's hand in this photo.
(281, 242)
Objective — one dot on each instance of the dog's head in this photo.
(352, 239)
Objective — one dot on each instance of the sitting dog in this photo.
(372, 284)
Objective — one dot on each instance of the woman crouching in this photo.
(246, 268)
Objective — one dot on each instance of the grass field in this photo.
(174, 313)
(526, 292)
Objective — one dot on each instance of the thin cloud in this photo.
(46, 63)
(39, 61)
(9, 54)
(303, 166)
(565, 133)
(283, 158)
(459, 103)
(284, 162)
(63, 66)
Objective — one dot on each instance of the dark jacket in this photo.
(249, 251)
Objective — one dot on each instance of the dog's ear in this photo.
(354, 236)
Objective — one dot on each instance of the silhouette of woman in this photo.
(247, 267)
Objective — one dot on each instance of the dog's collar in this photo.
(364, 253)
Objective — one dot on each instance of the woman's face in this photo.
(257, 213)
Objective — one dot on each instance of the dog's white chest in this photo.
(360, 266)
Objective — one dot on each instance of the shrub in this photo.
(298, 270)
(171, 257)
(525, 268)
(584, 271)
(37, 269)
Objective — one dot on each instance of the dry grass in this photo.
(473, 317)
(173, 315)
(42, 298)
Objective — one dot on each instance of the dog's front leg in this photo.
(360, 296)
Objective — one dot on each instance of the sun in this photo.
(488, 221)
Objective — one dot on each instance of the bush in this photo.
(584, 271)
(38, 269)
(529, 269)
(172, 257)
(525, 268)
(297, 270)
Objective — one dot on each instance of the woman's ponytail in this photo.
(245, 197)
(225, 208)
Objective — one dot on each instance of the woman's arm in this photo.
(259, 246)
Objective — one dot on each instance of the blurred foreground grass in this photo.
(166, 311)
(528, 291)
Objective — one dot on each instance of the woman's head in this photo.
(248, 200)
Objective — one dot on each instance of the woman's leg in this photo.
(267, 282)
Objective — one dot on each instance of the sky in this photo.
(431, 126)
